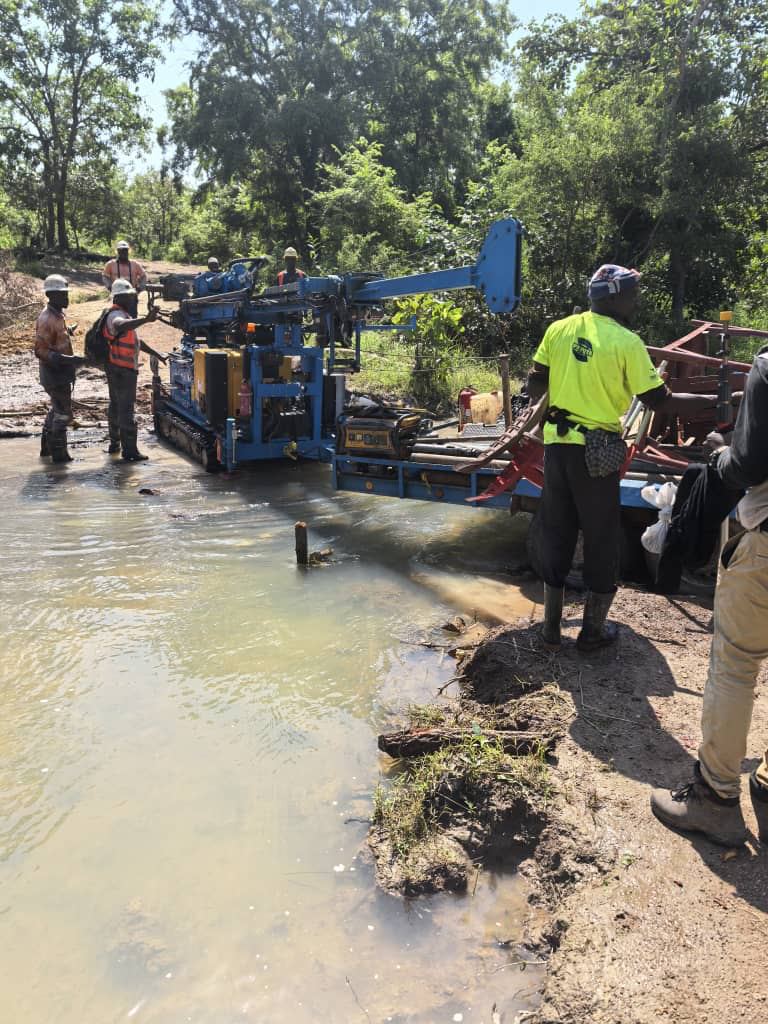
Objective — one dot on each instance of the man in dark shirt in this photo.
(710, 802)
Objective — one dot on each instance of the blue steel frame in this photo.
(409, 480)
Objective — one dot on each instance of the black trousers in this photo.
(122, 400)
(59, 388)
(573, 500)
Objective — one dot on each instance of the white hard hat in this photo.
(122, 244)
(55, 283)
(290, 251)
(122, 287)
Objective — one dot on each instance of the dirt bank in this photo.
(638, 924)
(23, 403)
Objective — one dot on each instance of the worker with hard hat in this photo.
(120, 329)
(58, 363)
(291, 274)
(127, 269)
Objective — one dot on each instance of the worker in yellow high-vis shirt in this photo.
(592, 364)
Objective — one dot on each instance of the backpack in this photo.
(96, 346)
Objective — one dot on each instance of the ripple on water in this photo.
(187, 750)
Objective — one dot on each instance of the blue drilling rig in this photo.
(260, 372)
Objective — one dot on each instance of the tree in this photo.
(280, 88)
(66, 75)
(693, 71)
(365, 221)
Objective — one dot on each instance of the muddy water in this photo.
(187, 749)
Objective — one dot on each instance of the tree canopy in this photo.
(386, 136)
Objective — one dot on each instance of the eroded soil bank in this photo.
(637, 924)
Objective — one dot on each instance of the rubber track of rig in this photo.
(188, 438)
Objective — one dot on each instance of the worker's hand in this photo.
(71, 330)
(714, 441)
(152, 314)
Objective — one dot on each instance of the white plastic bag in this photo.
(663, 498)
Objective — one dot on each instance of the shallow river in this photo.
(188, 748)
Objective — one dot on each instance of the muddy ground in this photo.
(637, 923)
(23, 403)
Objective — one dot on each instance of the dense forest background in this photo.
(376, 135)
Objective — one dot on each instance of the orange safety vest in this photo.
(281, 276)
(123, 351)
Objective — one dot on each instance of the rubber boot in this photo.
(45, 448)
(595, 631)
(697, 808)
(114, 446)
(759, 794)
(59, 451)
(553, 615)
(130, 452)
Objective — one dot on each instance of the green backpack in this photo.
(96, 346)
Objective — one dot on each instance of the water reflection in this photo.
(187, 750)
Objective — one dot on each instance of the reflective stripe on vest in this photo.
(123, 351)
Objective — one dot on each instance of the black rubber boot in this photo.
(698, 808)
(759, 794)
(59, 453)
(553, 615)
(45, 448)
(130, 452)
(114, 447)
(595, 631)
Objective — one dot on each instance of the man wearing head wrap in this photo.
(592, 364)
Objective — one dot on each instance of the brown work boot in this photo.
(759, 794)
(595, 631)
(553, 615)
(697, 808)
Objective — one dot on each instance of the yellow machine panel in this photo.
(234, 379)
(198, 378)
(234, 376)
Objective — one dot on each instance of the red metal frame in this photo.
(682, 355)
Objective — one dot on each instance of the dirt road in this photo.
(649, 925)
(23, 403)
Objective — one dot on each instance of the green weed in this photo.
(453, 780)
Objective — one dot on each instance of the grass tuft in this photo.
(454, 781)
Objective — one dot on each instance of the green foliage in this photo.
(278, 89)
(366, 222)
(665, 122)
(66, 99)
(438, 328)
(412, 810)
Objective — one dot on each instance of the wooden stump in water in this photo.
(302, 544)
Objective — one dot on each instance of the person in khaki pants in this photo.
(709, 804)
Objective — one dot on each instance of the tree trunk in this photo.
(61, 214)
(678, 274)
(50, 221)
